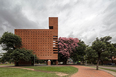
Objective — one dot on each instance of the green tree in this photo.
(104, 56)
(100, 46)
(79, 52)
(91, 55)
(9, 43)
(114, 44)
(20, 54)
(112, 51)
(23, 54)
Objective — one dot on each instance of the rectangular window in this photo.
(50, 27)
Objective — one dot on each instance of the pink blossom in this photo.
(66, 45)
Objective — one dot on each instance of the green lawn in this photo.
(103, 68)
(17, 72)
(63, 69)
(6, 64)
(108, 65)
(108, 69)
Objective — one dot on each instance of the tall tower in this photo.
(53, 25)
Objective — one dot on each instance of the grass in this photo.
(64, 69)
(108, 69)
(6, 64)
(103, 68)
(109, 65)
(16, 72)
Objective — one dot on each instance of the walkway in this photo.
(90, 72)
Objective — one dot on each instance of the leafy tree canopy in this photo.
(10, 41)
(79, 53)
(22, 54)
(91, 55)
(111, 51)
(19, 54)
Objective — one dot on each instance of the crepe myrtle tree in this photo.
(66, 47)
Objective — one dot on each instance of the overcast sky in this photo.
(82, 19)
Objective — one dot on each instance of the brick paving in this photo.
(90, 72)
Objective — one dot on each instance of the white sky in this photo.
(83, 19)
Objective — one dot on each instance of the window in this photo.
(50, 27)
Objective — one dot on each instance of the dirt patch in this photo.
(61, 74)
(24, 68)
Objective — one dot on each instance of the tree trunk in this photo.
(97, 67)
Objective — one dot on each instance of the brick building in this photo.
(43, 42)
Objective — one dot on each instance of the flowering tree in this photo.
(66, 47)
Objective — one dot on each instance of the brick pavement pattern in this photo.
(90, 72)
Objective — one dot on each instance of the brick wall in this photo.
(43, 42)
